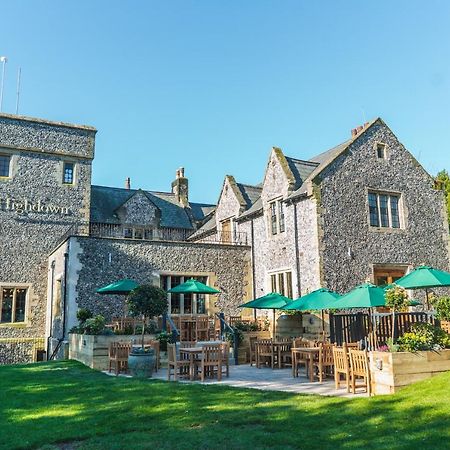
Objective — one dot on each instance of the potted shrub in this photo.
(442, 307)
(146, 301)
(396, 299)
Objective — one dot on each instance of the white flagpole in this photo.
(19, 72)
(3, 59)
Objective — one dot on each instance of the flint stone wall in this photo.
(28, 237)
(102, 261)
(349, 246)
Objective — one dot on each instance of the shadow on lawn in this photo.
(65, 401)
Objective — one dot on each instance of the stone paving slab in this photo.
(246, 376)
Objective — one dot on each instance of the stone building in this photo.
(61, 238)
(363, 210)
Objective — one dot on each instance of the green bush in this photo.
(424, 336)
(230, 337)
(442, 307)
(397, 298)
(83, 314)
(95, 325)
(243, 326)
(164, 338)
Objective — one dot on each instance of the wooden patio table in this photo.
(309, 353)
(191, 353)
(277, 346)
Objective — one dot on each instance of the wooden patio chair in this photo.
(118, 356)
(226, 358)
(324, 362)
(341, 366)
(210, 361)
(202, 328)
(264, 352)
(179, 366)
(298, 359)
(359, 366)
(252, 350)
(187, 344)
(284, 352)
(156, 347)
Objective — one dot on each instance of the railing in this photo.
(225, 327)
(223, 237)
(21, 350)
(174, 329)
(138, 233)
(358, 326)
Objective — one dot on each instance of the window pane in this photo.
(201, 304)
(175, 298)
(384, 214)
(128, 233)
(187, 304)
(19, 314)
(165, 282)
(281, 215)
(68, 173)
(273, 283)
(373, 210)
(289, 284)
(7, 303)
(394, 212)
(273, 217)
(148, 234)
(381, 151)
(281, 283)
(4, 165)
(138, 233)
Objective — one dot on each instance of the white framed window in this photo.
(68, 176)
(184, 303)
(384, 210)
(13, 304)
(281, 282)
(276, 213)
(5, 166)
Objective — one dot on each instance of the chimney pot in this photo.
(128, 183)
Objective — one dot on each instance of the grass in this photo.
(64, 405)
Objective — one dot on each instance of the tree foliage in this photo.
(147, 301)
(443, 178)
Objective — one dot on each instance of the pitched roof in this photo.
(249, 193)
(206, 228)
(300, 169)
(105, 201)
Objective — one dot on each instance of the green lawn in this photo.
(65, 405)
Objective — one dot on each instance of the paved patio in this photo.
(246, 376)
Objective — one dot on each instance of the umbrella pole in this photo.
(426, 299)
(273, 332)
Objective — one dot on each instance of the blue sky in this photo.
(213, 85)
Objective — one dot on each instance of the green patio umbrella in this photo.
(271, 301)
(365, 295)
(424, 277)
(318, 300)
(192, 286)
(121, 287)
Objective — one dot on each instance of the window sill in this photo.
(13, 325)
(387, 230)
(5, 178)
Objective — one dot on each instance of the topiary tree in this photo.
(147, 301)
(397, 299)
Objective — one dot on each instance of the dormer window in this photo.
(381, 150)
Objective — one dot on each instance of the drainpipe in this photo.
(66, 265)
(297, 255)
(252, 234)
(52, 281)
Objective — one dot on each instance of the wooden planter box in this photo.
(391, 371)
(92, 351)
(244, 347)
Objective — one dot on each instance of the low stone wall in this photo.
(392, 371)
(92, 351)
(21, 350)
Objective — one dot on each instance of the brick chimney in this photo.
(180, 187)
(128, 183)
(357, 130)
